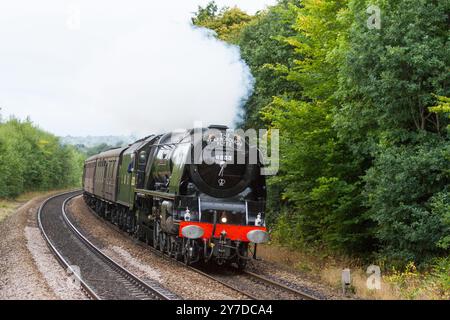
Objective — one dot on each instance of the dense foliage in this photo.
(32, 160)
(227, 23)
(364, 119)
(389, 79)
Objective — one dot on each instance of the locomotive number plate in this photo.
(223, 157)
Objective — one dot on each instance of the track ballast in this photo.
(101, 278)
(249, 284)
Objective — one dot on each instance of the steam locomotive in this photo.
(184, 193)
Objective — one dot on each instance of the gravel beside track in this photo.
(254, 285)
(28, 270)
(101, 275)
(143, 261)
(295, 279)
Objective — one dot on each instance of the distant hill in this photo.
(93, 141)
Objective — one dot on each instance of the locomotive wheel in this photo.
(156, 236)
(187, 258)
(169, 246)
(128, 223)
(147, 238)
(178, 248)
(114, 217)
(137, 234)
(123, 220)
(189, 252)
(133, 226)
(120, 219)
(162, 242)
(242, 264)
(173, 248)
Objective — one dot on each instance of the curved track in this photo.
(100, 277)
(255, 286)
(249, 284)
(287, 287)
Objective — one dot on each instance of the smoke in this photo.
(102, 68)
(169, 81)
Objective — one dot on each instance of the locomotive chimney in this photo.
(218, 127)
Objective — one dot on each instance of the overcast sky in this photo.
(117, 67)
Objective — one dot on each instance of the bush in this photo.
(32, 159)
(408, 198)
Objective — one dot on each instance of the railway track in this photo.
(101, 278)
(249, 284)
(283, 286)
(256, 286)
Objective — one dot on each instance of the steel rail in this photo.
(163, 255)
(133, 279)
(112, 226)
(224, 283)
(63, 262)
(304, 295)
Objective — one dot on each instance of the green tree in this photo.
(387, 85)
(317, 174)
(32, 159)
(227, 23)
(262, 48)
(442, 110)
(364, 121)
(408, 193)
(205, 14)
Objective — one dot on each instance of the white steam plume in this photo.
(127, 67)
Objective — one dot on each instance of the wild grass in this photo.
(9, 206)
(407, 284)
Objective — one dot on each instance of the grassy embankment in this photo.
(433, 283)
(9, 206)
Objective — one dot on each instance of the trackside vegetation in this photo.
(34, 160)
(363, 112)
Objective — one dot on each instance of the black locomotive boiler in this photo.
(191, 204)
